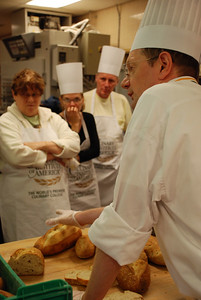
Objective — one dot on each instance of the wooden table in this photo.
(162, 286)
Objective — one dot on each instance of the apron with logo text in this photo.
(32, 195)
(83, 186)
(107, 164)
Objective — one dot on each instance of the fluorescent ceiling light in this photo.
(51, 3)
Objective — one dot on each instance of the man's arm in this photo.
(105, 270)
(88, 216)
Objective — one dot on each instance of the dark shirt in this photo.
(94, 149)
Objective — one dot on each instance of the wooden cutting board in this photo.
(162, 286)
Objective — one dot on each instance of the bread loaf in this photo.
(83, 277)
(84, 248)
(153, 251)
(27, 261)
(78, 277)
(143, 256)
(134, 277)
(71, 277)
(126, 295)
(58, 238)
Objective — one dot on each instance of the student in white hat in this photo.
(159, 182)
(112, 114)
(83, 186)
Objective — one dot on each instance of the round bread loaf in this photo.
(153, 251)
(84, 248)
(58, 238)
(135, 277)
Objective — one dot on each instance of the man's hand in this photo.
(76, 218)
(66, 217)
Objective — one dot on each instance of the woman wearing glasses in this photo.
(83, 187)
(35, 144)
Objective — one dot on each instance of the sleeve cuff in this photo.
(40, 159)
(116, 238)
(57, 142)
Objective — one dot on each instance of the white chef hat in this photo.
(171, 24)
(70, 78)
(111, 60)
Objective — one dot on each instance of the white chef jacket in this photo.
(159, 184)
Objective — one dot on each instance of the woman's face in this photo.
(75, 100)
(28, 102)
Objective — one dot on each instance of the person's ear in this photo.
(61, 102)
(165, 65)
(96, 77)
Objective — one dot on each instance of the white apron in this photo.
(107, 164)
(32, 195)
(83, 186)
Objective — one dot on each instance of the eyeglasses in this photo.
(129, 70)
(68, 100)
(27, 95)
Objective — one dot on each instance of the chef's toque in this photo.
(171, 24)
(70, 78)
(111, 60)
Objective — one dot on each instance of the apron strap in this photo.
(112, 103)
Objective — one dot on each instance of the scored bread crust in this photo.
(134, 277)
(84, 248)
(58, 238)
(143, 256)
(153, 251)
(27, 261)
